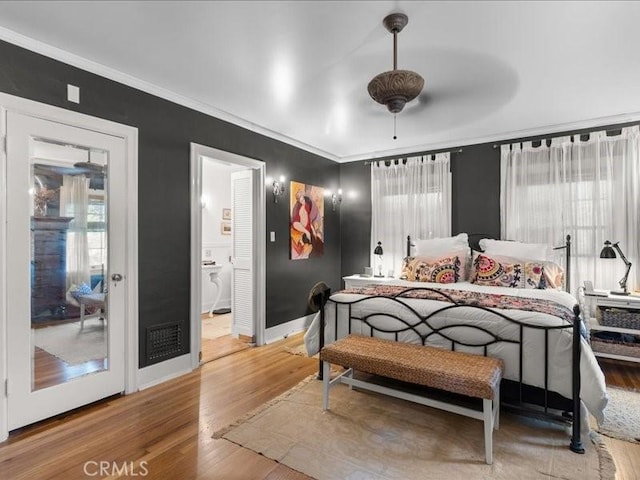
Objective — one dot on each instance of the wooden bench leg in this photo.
(487, 409)
(496, 408)
(326, 385)
(491, 417)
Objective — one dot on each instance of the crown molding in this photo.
(505, 137)
(74, 60)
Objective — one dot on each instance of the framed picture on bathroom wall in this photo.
(225, 228)
(226, 214)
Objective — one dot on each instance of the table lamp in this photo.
(378, 253)
(609, 251)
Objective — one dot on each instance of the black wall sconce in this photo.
(278, 188)
(336, 197)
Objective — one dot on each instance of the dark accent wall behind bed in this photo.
(475, 198)
(475, 195)
(165, 130)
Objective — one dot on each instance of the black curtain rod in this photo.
(369, 162)
(609, 133)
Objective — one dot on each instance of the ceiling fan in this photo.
(89, 168)
(395, 88)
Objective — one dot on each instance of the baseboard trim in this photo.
(163, 371)
(283, 330)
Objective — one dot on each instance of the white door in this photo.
(66, 206)
(242, 259)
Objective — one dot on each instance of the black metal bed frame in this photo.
(512, 390)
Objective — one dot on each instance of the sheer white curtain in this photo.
(585, 188)
(74, 202)
(412, 198)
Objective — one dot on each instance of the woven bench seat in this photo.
(456, 372)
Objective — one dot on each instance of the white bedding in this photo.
(593, 390)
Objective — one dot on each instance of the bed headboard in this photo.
(567, 263)
(474, 244)
(474, 241)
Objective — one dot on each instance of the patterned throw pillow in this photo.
(533, 275)
(490, 272)
(421, 269)
(552, 276)
(83, 289)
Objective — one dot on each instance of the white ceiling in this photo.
(298, 71)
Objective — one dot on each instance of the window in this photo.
(409, 198)
(584, 188)
(97, 232)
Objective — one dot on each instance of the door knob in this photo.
(116, 277)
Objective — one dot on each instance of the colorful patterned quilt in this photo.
(462, 297)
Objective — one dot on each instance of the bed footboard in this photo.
(548, 398)
(576, 439)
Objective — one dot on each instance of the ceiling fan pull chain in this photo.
(394, 127)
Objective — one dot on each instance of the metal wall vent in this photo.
(164, 341)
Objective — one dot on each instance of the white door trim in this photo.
(130, 136)
(196, 242)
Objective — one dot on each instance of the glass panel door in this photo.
(69, 261)
(66, 211)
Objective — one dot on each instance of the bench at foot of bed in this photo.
(455, 372)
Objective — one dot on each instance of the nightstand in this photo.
(360, 281)
(615, 314)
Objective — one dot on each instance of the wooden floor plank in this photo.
(167, 429)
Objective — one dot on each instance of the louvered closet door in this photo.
(243, 291)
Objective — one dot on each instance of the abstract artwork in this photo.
(307, 220)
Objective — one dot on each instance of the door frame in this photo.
(130, 137)
(260, 247)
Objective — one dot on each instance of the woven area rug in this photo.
(365, 435)
(299, 350)
(622, 415)
(70, 344)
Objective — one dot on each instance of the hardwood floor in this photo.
(621, 374)
(168, 426)
(213, 349)
(223, 344)
(49, 370)
(165, 432)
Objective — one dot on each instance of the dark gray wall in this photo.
(165, 131)
(355, 216)
(475, 196)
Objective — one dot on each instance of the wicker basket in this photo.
(616, 348)
(616, 317)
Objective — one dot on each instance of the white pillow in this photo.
(532, 251)
(441, 246)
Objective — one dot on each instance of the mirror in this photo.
(69, 262)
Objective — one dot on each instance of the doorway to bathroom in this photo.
(228, 260)
(216, 208)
